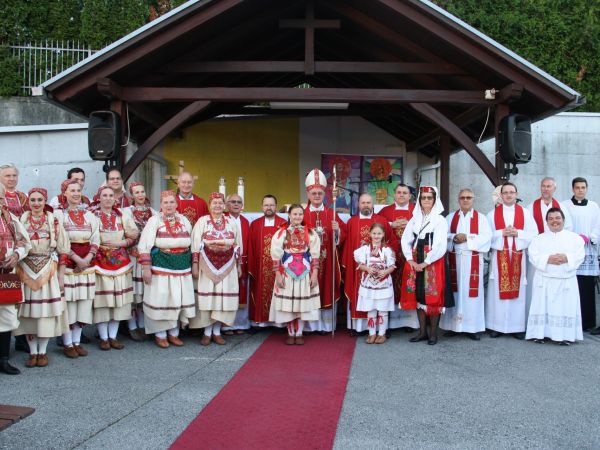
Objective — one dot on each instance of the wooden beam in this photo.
(461, 120)
(143, 112)
(398, 68)
(252, 94)
(460, 137)
(445, 171)
(155, 138)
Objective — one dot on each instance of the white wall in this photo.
(564, 146)
(44, 154)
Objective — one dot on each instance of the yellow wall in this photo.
(264, 152)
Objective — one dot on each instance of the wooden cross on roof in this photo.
(309, 23)
(174, 178)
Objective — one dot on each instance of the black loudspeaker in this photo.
(514, 136)
(104, 133)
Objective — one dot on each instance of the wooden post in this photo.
(445, 171)
(120, 108)
(502, 110)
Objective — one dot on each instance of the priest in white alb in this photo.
(555, 310)
(469, 238)
(513, 228)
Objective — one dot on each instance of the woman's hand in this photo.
(147, 275)
(279, 281)
(314, 279)
(195, 271)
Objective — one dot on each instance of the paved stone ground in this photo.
(496, 393)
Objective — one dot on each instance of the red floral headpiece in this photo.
(134, 184)
(215, 195)
(424, 189)
(168, 193)
(65, 184)
(39, 190)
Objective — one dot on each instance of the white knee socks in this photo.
(33, 346)
(103, 330)
(216, 331)
(68, 339)
(372, 322)
(132, 323)
(113, 328)
(300, 328)
(174, 331)
(383, 323)
(76, 334)
(161, 334)
(42, 345)
(208, 330)
(137, 319)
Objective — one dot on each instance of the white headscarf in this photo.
(437, 209)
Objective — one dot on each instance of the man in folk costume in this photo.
(357, 235)
(424, 244)
(398, 214)
(15, 201)
(234, 206)
(585, 215)
(60, 201)
(555, 310)
(330, 230)
(469, 238)
(538, 209)
(260, 263)
(513, 228)
(14, 246)
(188, 203)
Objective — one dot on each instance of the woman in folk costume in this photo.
(43, 313)
(216, 263)
(82, 229)
(424, 247)
(114, 283)
(376, 261)
(295, 253)
(164, 254)
(140, 211)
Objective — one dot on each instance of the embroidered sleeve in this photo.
(145, 259)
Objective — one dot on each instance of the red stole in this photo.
(391, 214)
(327, 280)
(474, 271)
(509, 262)
(357, 236)
(537, 213)
(260, 268)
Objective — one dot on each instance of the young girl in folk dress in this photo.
(140, 212)
(295, 253)
(376, 292)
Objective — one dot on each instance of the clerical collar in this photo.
(269, 221)
(366, 217)
(469, 213)
(189, 197)
(402, 208)
(576, 202)
(511, 207)
(320, 208)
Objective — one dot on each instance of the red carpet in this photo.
(284, 397)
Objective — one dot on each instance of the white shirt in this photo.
(269, 222)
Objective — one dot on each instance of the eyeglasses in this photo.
(466, 198)
(114, 178)
(426, 197)
(235, 201)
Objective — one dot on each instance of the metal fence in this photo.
(40, 61)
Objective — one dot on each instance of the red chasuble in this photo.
(245, 225)
(391, 214)
(474, 270)
(192, 208)
(324, 218)
(509, 263)
(357, 234)
(16, 202)
(537, 213)
(260, 268)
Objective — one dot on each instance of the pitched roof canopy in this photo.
(397, 63)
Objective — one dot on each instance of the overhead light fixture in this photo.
(307, 105)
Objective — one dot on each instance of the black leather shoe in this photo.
(7, 368)
(519, 336)
(450, 333)
(494, 334)
(432, 341)
(474, 336)
(595, 331)
(418, 338)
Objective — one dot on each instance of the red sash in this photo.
(537, 213)
(509, 263)
(474, 271)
